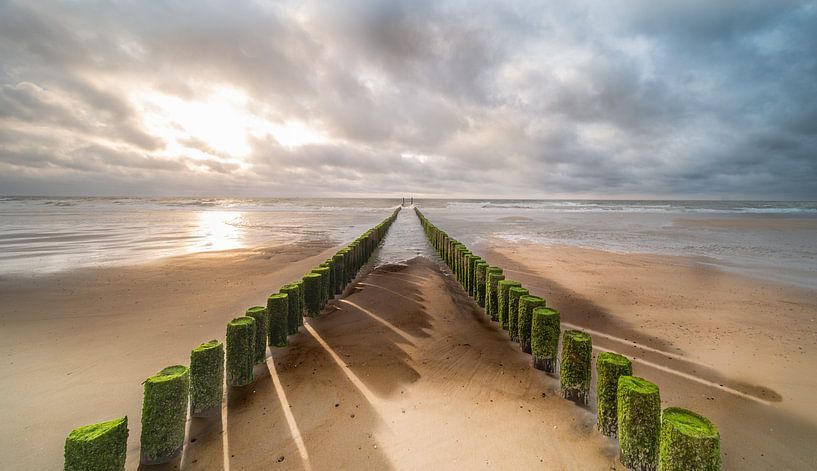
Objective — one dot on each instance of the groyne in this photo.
(178, 392)
(629, 407)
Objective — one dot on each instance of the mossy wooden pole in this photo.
(492, 277)
(475, 277)
(639, 423)
(240, 351)
(301, 301)
(278, 307)
(688, 441)
(466, 259)
(206, 379)
(351, 267)
(340, 279)
(482, 267)
(312, 293)
(458, 250)
(100, 446)
(544, 338)
(469, 271)
(503, 288)
(262, 331)
(293, 305)
(164, 414)
(609, 367)
(514, 294)
(575, 367)
(324, 284)
(330, 264)
(526, 306)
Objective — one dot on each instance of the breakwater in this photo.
(628, 407)
(180, 391)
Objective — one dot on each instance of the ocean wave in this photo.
(636, 207)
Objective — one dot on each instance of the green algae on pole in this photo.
(544, 338)
(492, 277)
(466, 260)
(688, 441)
(301, 301)
(524, 318)
(470, 260)
(278, 308)
(337, 266)
(330, 264)
(100, 446)
(475, 277)
(262, 330)
(609, 367)
(482, 268)
(293, 298)
(503, 287)
(164, 414)
(575, 367)
(206, 378)
(514, 294)
(639, 423)
(324, 284)
(312, 293)
(240, 351)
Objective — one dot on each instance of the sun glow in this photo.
(219, 126)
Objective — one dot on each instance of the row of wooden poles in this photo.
(199, 389)
(628, 407)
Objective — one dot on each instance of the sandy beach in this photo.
(404, 372)
(737, 349)
(76, 345)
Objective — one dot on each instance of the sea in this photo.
(41, 235)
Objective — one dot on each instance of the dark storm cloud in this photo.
(521, 99)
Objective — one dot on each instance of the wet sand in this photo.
(739, 350)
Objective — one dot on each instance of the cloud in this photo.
(519, 99)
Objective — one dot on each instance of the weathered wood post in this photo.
(688, 441)
(100, 446)
(206, 378)
(262, 330)
(639, 423)
(514, 294)
(503, 290)
(240, 351)
(278, 309)
(545, 331)
(609, 367)
(164, 414)
(526, 306)
(493, 275)
(312, 293)
(575, 367)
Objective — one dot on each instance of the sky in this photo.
(694, 99)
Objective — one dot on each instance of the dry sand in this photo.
(739, 350)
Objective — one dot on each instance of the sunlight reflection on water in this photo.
(218, 230)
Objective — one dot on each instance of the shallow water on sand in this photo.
(405, 241)
(776, 241)
(41, 235)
